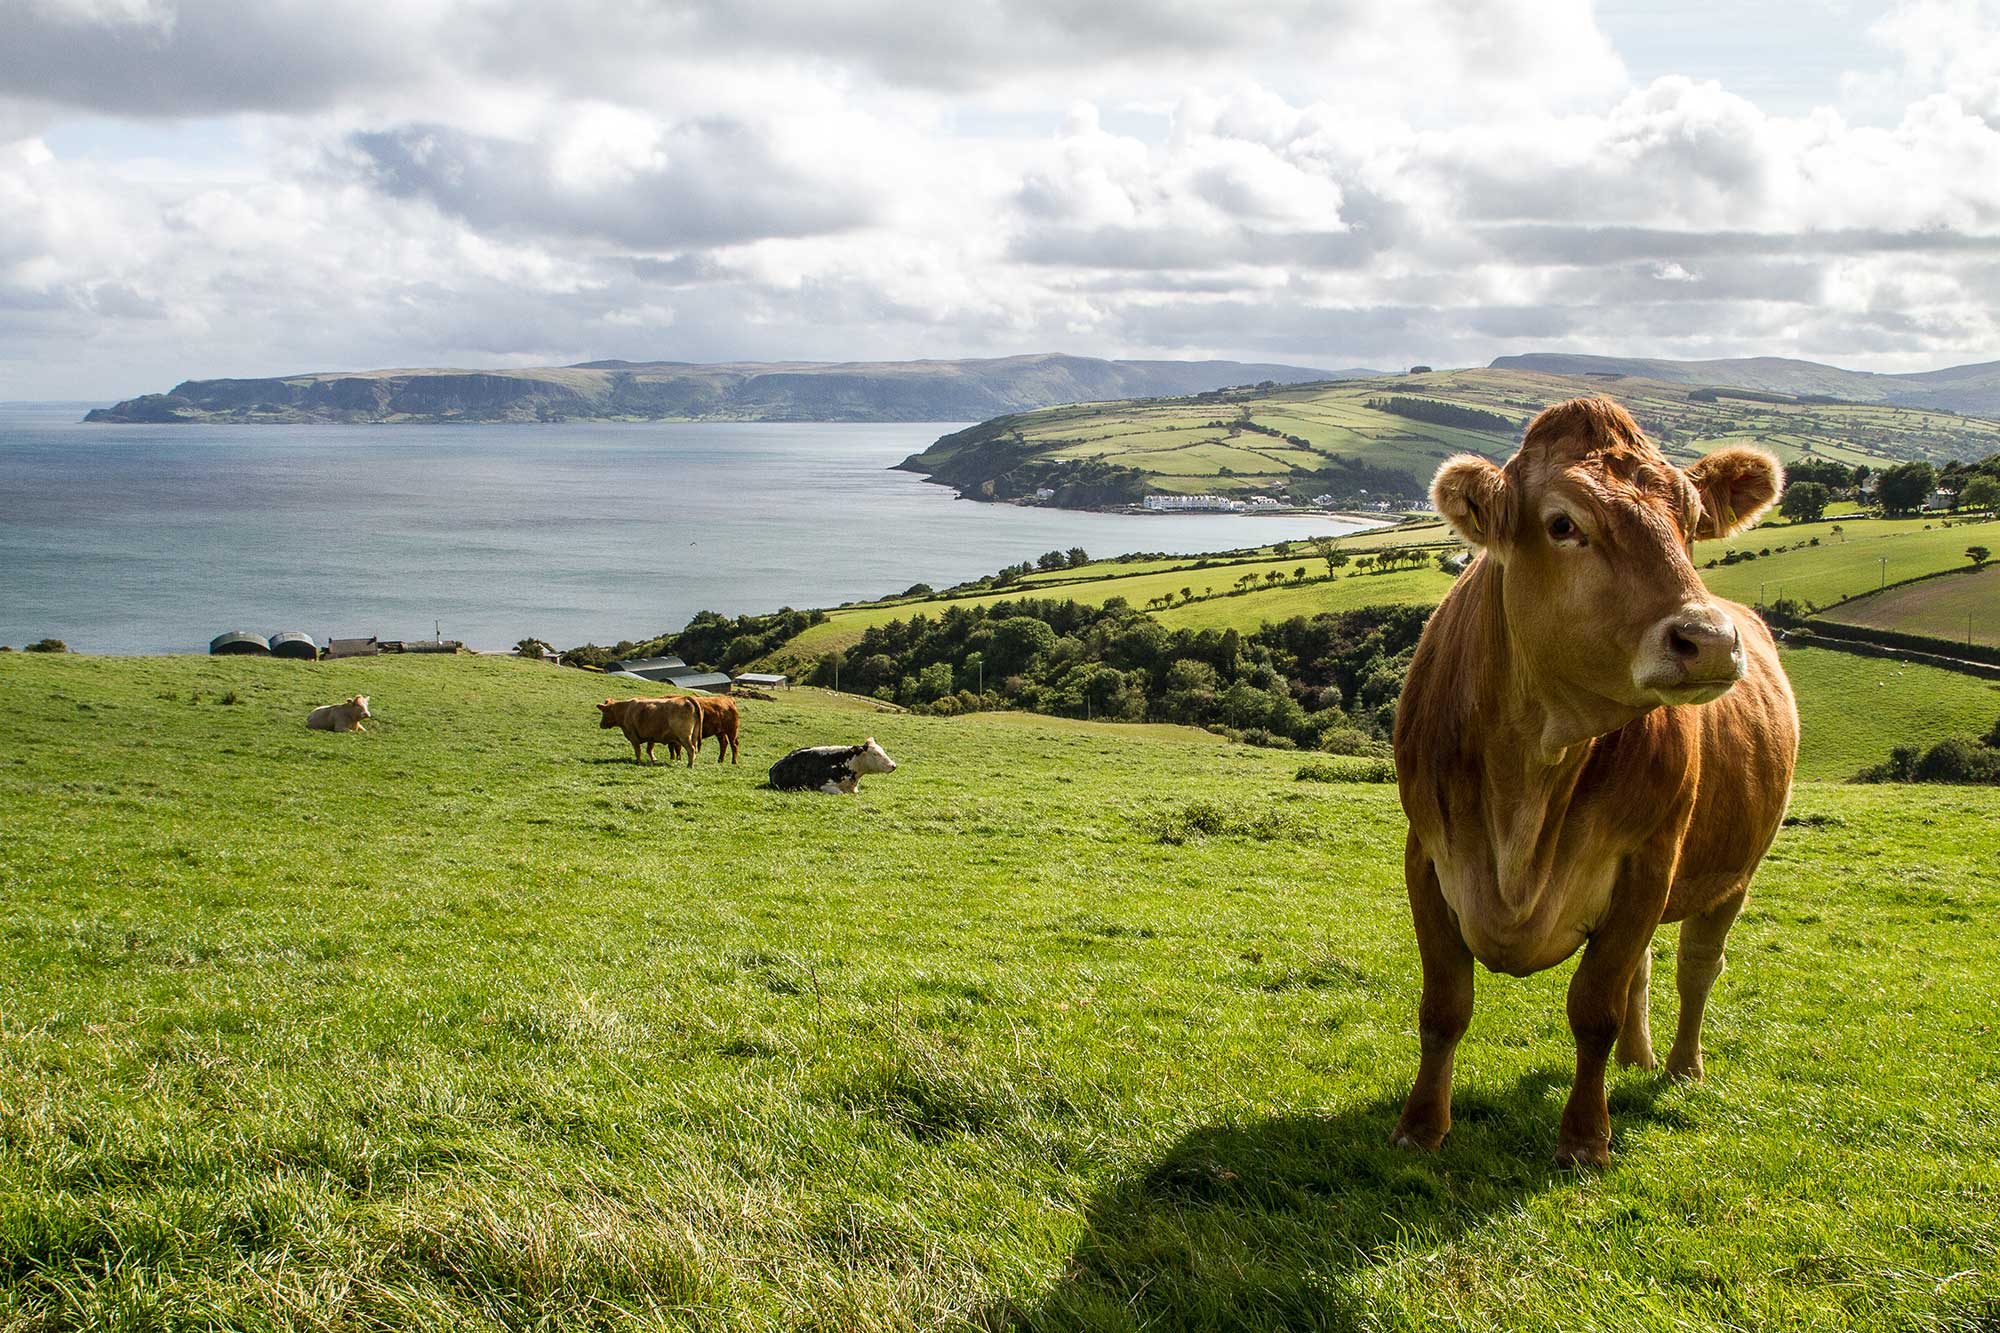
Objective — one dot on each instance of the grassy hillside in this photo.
(470, 1022)
(1138, 582)
(1852, 710)
(1972, 388)
(1860, 556)
(1304, 439)
(1958, 608)
(1864, 555)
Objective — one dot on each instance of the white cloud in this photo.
(1321, 181)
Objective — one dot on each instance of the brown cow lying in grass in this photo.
(339, 717)
(647, 722)
(720, 720)
(1590, 744)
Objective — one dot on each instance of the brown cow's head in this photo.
(607, 714)
(1593, 531)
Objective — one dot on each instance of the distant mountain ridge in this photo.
(1972, 389)
(678, 390)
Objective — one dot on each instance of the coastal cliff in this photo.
(669, 390)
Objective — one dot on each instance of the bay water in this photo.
(154, 539)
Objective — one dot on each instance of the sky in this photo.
(207, 188)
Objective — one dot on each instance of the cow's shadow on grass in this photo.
(1269, 1225)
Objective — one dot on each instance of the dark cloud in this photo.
(206, 58)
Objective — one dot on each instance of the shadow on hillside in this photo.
(1266, 1225)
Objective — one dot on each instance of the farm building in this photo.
(427, 646)
(763, 680)
(650, 668)
(239, 643)
(367, 647)
(699, 680)
(294, 644)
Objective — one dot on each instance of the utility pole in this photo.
(1885, 573)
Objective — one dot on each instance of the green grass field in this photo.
(1864, 553)
(1959, 608)
(468, 1021)
(1867, 553)
(1138, 583)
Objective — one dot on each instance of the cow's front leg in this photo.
(1695, 970)
(1635, 1035)
(1598, 995)
(1443, 1013)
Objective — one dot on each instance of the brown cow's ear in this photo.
(1736, 485)
(1472, 495)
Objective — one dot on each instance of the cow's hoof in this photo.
(1584, 1155)
(1418, 1138)
(1682, 1070)
(1637, 1059)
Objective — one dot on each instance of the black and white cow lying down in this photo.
(830, 768)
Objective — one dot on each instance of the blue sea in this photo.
(154, 539)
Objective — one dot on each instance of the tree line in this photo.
(1326, 682)
(1444, 414)
(710, 640)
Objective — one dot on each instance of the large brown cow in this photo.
(1589, 745)
(647, 722)
(720, 720)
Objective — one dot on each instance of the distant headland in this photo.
(966, 390)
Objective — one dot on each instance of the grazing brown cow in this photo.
(647, 722)
(1589, 745)
(719, 719)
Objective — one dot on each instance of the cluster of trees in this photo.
(41, 646)
(711, 640)
(1954, 760)
(1811, 484)
(1326, 682)
(1444, 414)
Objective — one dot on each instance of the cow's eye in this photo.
(1562, 530)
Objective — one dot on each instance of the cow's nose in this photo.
(1700, 647)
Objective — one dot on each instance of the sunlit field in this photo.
(469, 1021)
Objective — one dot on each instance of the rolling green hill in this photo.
(1346, 438)
(1974, 388)
(1815, 564)
(657, 390)
(468, 1021)
(1962, 607)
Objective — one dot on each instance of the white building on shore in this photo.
(1192, 503)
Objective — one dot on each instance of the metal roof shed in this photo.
(651, 668)
(295, 644)
(239, 643)
(367, 647)
(764, 680)
(699, 680)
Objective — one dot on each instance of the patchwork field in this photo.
(1959, 608)
(1853, 555)
(468, 1021)
(1292, 439)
